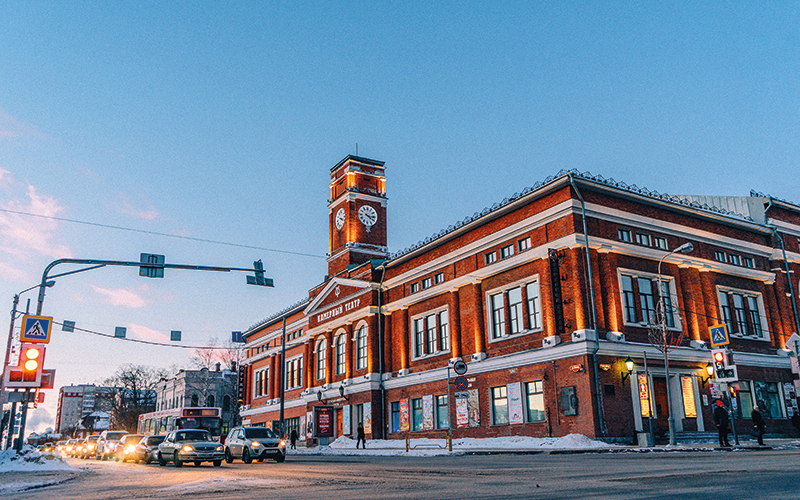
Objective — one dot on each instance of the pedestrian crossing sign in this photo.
(719, 335)
(36, 329)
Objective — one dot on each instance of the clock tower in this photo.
(356, 213)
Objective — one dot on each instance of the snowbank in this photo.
(433, 447)
(32, 460)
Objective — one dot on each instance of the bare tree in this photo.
(135, 394)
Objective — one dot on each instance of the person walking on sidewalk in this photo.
(760, 426)
(362, 438)
(721, 421)
(293, 438)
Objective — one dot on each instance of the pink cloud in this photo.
(149, 212)
(11, 128)
(121, 297)
(144, 333)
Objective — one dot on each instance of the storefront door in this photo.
(339, 422)
(660, 400)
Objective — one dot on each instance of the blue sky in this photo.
(220, 121)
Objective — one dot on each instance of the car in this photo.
(260, 443)
(88, 446)
(107, 444)
(69, 447)
(48, 447)
(147, 449)
(127, 447)
(60, 447)
(190, 445)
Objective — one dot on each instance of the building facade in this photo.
(545, 296)
(78, 401)
(196, 388)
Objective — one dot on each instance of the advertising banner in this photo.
(644, 395)
(462, 412)
(404, 415)
(474, 409)
(309, 425)
(789, 398)
(427, 413)
(347, 427)
(515, 403)
(301, 433)
(323, 421)
(367, 418)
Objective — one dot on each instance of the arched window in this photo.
(321, 351)
(340, 354)
(226, 403)
(210, 401)
(361, 348)
(195, 400)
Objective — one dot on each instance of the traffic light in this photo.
(31, 360)
(720, 360)
(724, 369)
(733, 391)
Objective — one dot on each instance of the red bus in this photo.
(164, 421)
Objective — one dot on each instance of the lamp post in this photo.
(664, 343)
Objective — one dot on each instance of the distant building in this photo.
(78, 401)
(196, 388)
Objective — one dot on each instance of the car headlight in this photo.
(130, 449)
(219, 448)
(187, 449)
(282, 444)
(256, 444)
(91, 446)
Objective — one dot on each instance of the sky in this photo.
(205, 132)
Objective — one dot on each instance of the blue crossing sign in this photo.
(719, 335)
(36, 329)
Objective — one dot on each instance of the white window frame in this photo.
(644, 239)
(437, 335)
(323, 366)
(490, 257)
(426, 283)
(762, 315)
(660, 242)
(362, 363)
(524, 244)
(337, 366)
(288, 383)
(522, 284)
(413, 287)
(673, 297)
(624, 235)
(264, 372)
(438, 278)
(507, 251)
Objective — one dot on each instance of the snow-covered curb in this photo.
(434, 447)
(31, 460)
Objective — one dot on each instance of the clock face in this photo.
(339, 218)
(367, 215)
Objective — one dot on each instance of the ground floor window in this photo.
(500, 405)
(416, 414)
(292, 423)
(534, 399)
(396, 416)
(442, 413)
(768, 399)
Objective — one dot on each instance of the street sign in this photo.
(719, 335)
(460, 367)
(461, 383)
(36, 329)
(154, 265)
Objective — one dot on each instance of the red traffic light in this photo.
(719, 357)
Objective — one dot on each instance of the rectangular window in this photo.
(361, 348)
(727, 317)
(534, 309)
(491, 258)
(740, 314)
(643, 239)
(624, 235)
(395, 416)
(515, 310)
(442, 413)
(647, 300)
(735, 259)
(755, 319)
(416, 415)
(419, 336)
(670, 313)
(430, 334)
(660, 242)
(534, 400)
(500, 405)
(414, 287)
(444, 331)
(768, 399)
(426, 283)
(524, 244)
(629, 299)
(498, 316)
(261, 383)
(743, 313)
(294, 370)
(438, 278)
(719, 255)
(748, 262)
(507, 251)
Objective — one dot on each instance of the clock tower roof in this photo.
(358, 159)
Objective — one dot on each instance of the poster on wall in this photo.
(790, 399)
(309, 425)
(427, 413)
(515, 403)
(687, 391)
(644, 395)
(347, 428)
(474, 409)
(367, 418)
(323, 421)
(462, 411)
(404, 414)
(301, 432)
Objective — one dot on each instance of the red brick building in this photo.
(545, 296)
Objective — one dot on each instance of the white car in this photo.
(190, 445)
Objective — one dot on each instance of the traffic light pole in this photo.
(22, 422)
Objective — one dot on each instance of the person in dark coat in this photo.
(796, 422)
(760, 426)
(362, 438)
(293, 438)
(721, 421)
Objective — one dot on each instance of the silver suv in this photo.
(248, 443)
(107, 444)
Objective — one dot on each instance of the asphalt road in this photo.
(719, 475)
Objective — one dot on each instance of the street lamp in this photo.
(629, 366)
(710, 371)
(664, 344)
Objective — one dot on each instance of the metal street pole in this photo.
(8, 350)
(449, 412)
(282, 369)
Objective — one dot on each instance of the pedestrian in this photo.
(293, 438)
(721, 421)
(796, 421)
(759, 427)
(362, 438)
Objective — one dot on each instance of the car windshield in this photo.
(132, 438)
(192, 436)
(92, 439)
(114, 435)
(155, 440)
(259, 432)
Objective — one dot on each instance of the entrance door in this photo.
(660, 400)
(339, 422)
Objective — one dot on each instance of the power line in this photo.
(156, 233)
(145, 341)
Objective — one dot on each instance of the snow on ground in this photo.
(32, 460)
(221, 484)
(433, 447)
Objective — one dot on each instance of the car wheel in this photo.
(260, 459)
(136, 460)
(280, 458)
(161, 460)
(246, 458)
(148, 459)
(96, 456)
(176, 460)
(228, 456)
(217, 463)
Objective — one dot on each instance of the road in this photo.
(722, 475)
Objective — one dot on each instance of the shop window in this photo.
(643, 239)
(624, 235)
(500, 405)
(361, 348)
(507, 251)
(416, 414)
(442, 413)
(746, 399)
(768, 399)
(524, 244)
(645, 288)
(534, 400)
(431, 333)
(491, 257)
(742, 312)
(660, 243)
